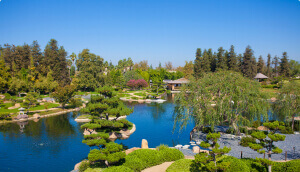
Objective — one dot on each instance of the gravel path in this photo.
(291, 145)
(159, 168)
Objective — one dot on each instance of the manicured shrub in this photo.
(150, 157)
(289, 166)
(134, 163)
(75, 102)
(207, 130)
(118, 169)
(182, 165)
(243, 130)
(287, 130)
(254, 166)
(171, 154)
(84, 165)
(235, 164)
(256, 124)
(162, 147)
(93, 169)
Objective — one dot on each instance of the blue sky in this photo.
(154, 30)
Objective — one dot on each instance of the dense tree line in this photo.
(246, 63)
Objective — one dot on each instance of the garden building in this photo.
(175, 85)
(260, 77)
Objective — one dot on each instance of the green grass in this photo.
(182, 165)
(270, 91)
(84, 93)
(41, 107)
(140, 94)
(84, 116)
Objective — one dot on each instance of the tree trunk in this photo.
(106, 116)
(293, 121)
(236, 128)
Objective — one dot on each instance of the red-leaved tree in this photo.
(140, 83)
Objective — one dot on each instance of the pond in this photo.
(55, 143)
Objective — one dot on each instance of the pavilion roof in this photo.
(260, 76)
(179, 81)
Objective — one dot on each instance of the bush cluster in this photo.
(144, 158)
(246, 140)
(118, 169)
(289, 166)
(235, 164)
(254, 166)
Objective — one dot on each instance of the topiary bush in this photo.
(134, 163)
(256, 124)
(162, 147)
(118, 169)
(235, 164)
(290, 166)
(150, 157)
(254, 166)
(171, 154)
(182, 165)
(84, 165)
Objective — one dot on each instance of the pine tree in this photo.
(197, 63)
(221, 59)
(232, 59)
(212, 60)
(205, 63)
(269, 66)
(261, 65)
(38, 57)
(275, 62)
(249, 63)
(284, 65)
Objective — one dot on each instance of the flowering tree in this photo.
(140, 83)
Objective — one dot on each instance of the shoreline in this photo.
(43, 116)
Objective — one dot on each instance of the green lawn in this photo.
(84, 93)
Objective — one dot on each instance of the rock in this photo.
(185, 146)
(83, 105)
(36, 116)
(196, 149)
(128, 151)
(273, 99)
(178, 146)
(141, 101)
(17, 105)
(205, 151)
(144, 144)
(262, 128)
(42, 103)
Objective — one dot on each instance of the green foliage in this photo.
(83, 166)
(182, 165)
(235, 164)
(64, 94)
(245, 141)
(225, 89)
(162, 147)
(254, 166)
(290, 166)
(150, 157)
(256, 124)
(171, 154)
(76, 102)
(118, 169)
(134, 163)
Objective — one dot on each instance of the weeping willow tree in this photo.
(224, 97)
(287, 103)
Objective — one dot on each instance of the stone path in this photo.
(159, 168)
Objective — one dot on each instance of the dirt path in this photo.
(159, 168)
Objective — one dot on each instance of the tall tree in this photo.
(221, 59)
(212, 60)
(169, 65)
(269, 66)
(294, 68)
(38, 57)
(275, 62)
(55, 59)
(284, 65)
(188, 69)
(205, 62)
(232, 60)
(197, 63)
(4, 74)
(261, 65)
(249, 63)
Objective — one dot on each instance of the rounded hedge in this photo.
(289, 166)
(149, 156)
(118, 169)
(134, 163)
(182, 165)
(171, 154)
(235, 164)
(254, 166)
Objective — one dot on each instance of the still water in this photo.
(55, 143)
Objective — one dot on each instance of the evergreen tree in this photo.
(240, 62)
(232, 60)
(261, 65)
(249, 63)
(212, 60)
(55, 59)
(197, 63)
(269, 66)
(4, 75)
(284, 65)
(275, 62)
(221, 59)
(38, 57)
(205, 62)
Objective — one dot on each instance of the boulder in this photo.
(42, 103)
(17, 105)
(196, 149)
(36, 116)
(128, 151)
(262, 128)
(144, 144)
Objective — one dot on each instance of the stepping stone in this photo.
(185, 146)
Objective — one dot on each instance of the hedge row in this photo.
(145, 158)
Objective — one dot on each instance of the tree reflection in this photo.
(59, 126)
